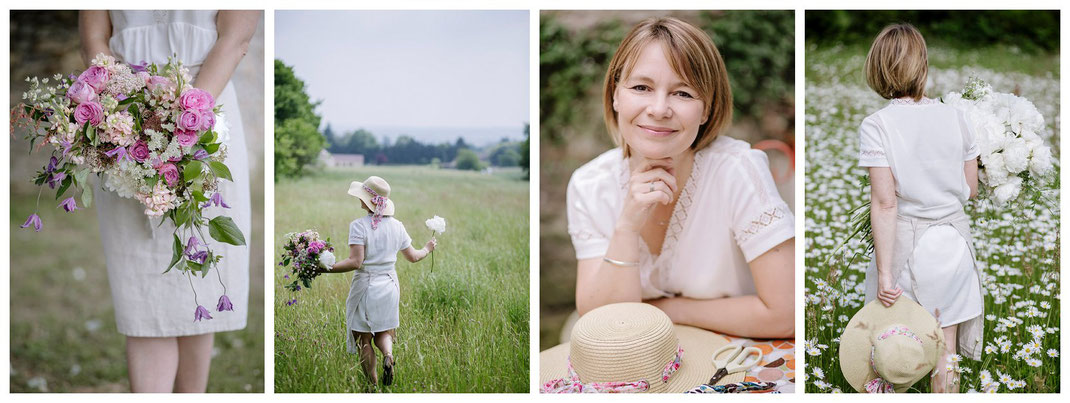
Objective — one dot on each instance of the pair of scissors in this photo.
(734, 361)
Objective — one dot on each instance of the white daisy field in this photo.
(1017, 250)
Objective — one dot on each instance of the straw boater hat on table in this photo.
(886, 349)
(374, 192)
(631, 347)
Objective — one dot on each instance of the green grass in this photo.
(63, 328)
(464, 327)
(1018, 251)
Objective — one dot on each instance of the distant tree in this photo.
(468, 160)
(297, 139)
(524, 147)
(330, 136)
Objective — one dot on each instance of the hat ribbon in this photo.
(878, 384)
(380, 204)
(572, 384)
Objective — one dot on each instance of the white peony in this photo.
(994, 169)
(221, 129)
(1040, 164)
(436, 224)
(326, 259)
(1016, 156)
(1007, 191)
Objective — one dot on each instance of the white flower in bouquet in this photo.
(1016, 156)
(1040, 164)
(221, 129)
(995, 171)
(327, 259)
(436, 224)
(1007, 191)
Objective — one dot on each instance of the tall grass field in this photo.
(1018, 251)
(464, 326)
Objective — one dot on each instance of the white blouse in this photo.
(381, 245)
(929, 142)
(728, 213)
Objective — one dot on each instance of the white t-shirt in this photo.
(926, 144)
(728, 214)
(381, 245)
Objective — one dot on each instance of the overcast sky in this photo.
(410, 68)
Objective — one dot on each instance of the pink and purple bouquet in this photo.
(150, 136)
(307, 255)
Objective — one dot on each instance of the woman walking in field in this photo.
(374, 294)
(922, 160)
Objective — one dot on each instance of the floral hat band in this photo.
(379, 202)
(879, 384)
(572, 383)
(375, 194)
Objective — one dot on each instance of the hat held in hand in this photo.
(888, 349)
(628, 348)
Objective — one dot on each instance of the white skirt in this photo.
(943, 262)
(137, 250)
(373, 302)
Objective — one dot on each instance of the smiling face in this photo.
(658, 113)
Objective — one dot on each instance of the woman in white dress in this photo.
(922, 162)
(166, 349)
(678, 216)
(374, 294)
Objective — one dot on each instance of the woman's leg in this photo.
(194, 361)
(367, 355)
(385, 342)
(944, 380)
(151, 363)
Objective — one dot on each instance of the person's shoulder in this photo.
(728, 159)
(605, 167)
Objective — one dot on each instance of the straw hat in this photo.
(899, 344)
(377, 185)
(628, 343)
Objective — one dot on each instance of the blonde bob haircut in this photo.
(898, 63)
(692, 56)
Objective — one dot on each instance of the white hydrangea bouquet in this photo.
(150, 135)
(1016, 166)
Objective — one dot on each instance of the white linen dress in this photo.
(926, 144)
(728, 213)
(136, 249)
(375, 292)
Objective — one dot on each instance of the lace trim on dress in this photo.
(679, 213)
(872, 153)
(580, 234)
(764, 220)
(910, 101)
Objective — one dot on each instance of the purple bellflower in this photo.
(33, 220)
(201, 313)
(68, 205)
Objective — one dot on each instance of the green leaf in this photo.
(151, 180)
(176, 252)
(207, 138)
(192, 171)
(81, 176)
(194, 266)
(199, 196)
(211, 148)
(64, 186)
(87, 196)
(224, 230)
(183, 214)
(220, 170)
(91, 133)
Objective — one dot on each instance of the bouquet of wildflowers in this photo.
(1016, 166)
(306, 253)
(150, 136)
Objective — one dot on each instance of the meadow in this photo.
(1018, 251)
(464, 326)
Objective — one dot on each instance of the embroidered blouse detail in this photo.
(909, 101)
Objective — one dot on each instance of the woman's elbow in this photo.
(780, 323)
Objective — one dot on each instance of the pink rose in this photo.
(159, 82)
(196, 99)
(95, 77)
(140, 151)
(207, 120)
(186, 138)
(169, 172)
(90, 112)
(81, 92)
(190, 120)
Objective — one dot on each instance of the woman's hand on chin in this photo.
(652, 182)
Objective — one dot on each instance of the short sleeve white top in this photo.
(925, 144)
(728, 213)
(381, 245)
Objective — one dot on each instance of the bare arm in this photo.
(235, 28)
(415, 255)
(769, 314)
(882, 213)
(94, 27)
(971, 176)
(355, 260)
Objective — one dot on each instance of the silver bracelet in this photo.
(620, 263)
